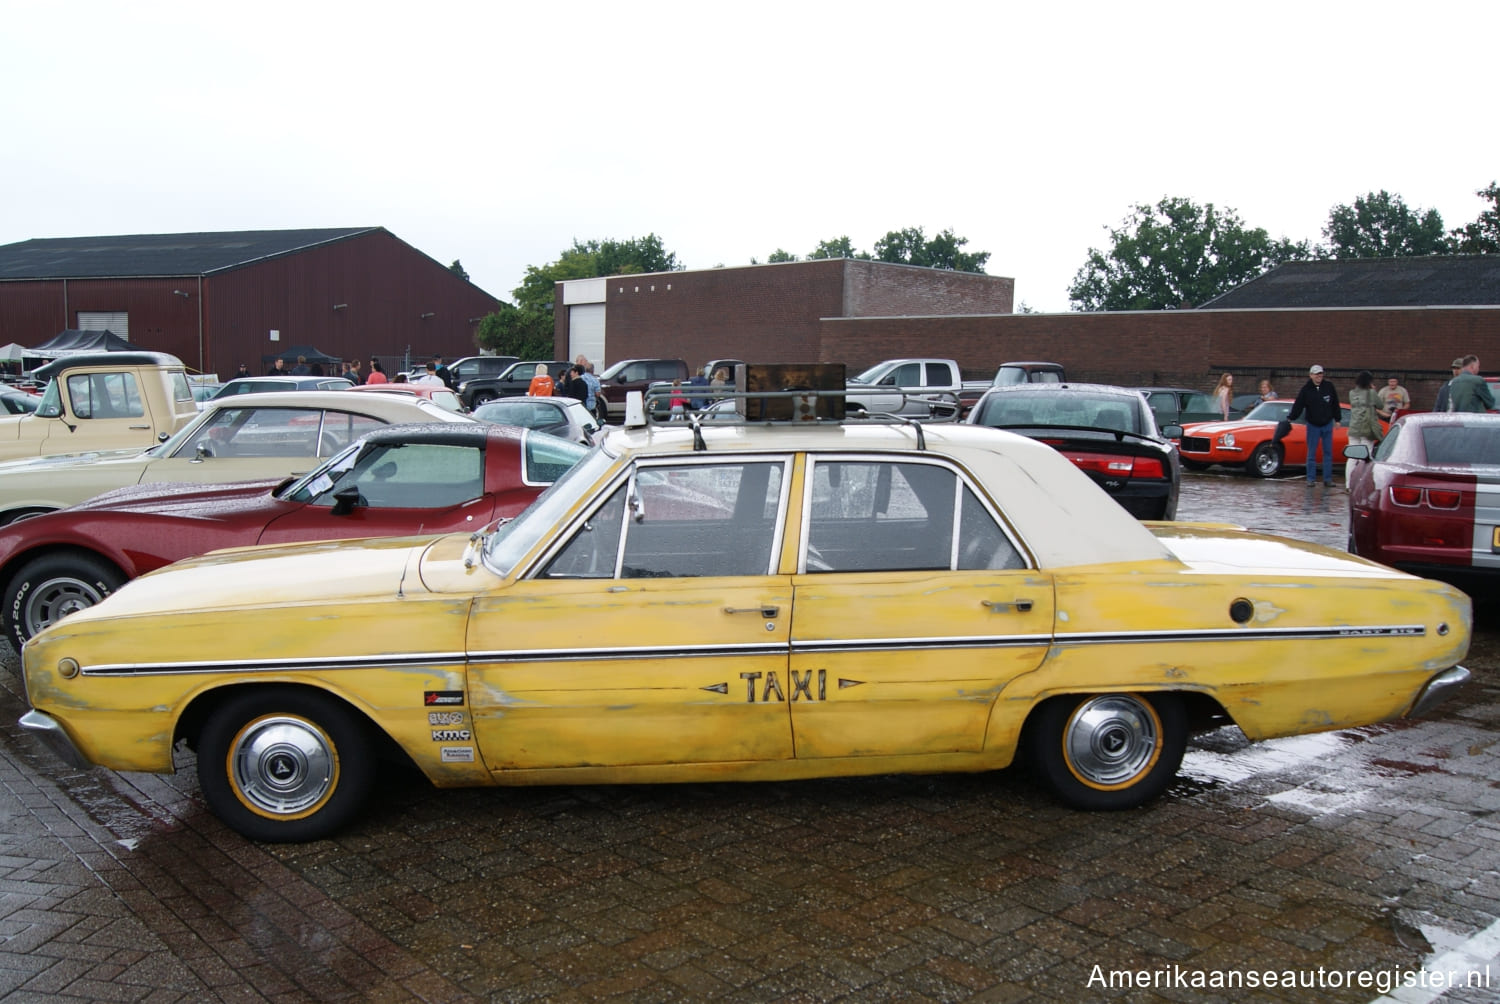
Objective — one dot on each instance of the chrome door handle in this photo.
(767, 611)
(999, 606)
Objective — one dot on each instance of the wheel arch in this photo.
(1203, 710)
(46, 549)
(201, 706)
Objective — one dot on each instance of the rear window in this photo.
(1461, 444)
(1063, 409)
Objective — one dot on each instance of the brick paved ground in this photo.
(1363, 852)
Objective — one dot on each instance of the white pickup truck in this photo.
(909, 386)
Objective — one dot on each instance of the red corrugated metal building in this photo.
(216, 300)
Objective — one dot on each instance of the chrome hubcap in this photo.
(54, 599)
(282, 765)
(1111, 740)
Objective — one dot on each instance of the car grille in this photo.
(1195, 444)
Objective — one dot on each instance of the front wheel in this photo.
(48, 588)
(483, 397)
(283, 765)
(1265, 462)
(1109, 751)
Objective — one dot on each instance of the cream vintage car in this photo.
(255, 436)
(743, 602)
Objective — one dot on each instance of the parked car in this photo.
(101, 401)
(17, 402)
(564, 417)
(271, 384)
(1249, 442)
(780, 602)
(513, 381)
(1183, 405)
(469, 368)
(634, 375)
(910, 386)
(1029, 372)
(401, 479)
(1429, 501)
(1107, 432)
(235, 439)
(437, 394)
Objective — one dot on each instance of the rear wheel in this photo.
(48, 588)
(1109, 751)
(483, 397)
(282, 764)
(1265, 462)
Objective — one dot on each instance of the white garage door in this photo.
(114, 321)
(586, 333)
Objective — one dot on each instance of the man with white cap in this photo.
(1320, 403)
(1447, 387)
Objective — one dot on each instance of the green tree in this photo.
(457, 268)
(838, 247)
(1483, 235)
(1381, 225)
(910, 247)
(780, 255)
(1176, 254)
(514, 331)
(589, 260)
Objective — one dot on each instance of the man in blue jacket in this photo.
(1320, 403)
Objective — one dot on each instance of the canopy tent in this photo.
(72, 341)
(312, 354)
(13, 353)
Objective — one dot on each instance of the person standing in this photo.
(443, 373)
(278, 367)
(575, 386)
(1266, 391)
(377, 372)
(430, 377)
(1393, 396)
(1222, 393)
(1443, 391)
(541, 383)
(1365, 413)
(1319, 402)
(243, 371)
(1468, 391)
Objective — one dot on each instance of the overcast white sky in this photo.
(498, 132)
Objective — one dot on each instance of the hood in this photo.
(187, 500)
(299, 577)
(56, 460)
(1216, 428)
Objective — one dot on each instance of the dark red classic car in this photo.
(1429, 501)
(400, 480)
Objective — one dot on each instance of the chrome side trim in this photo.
(54, 737)
(441, 662)
(1438, 689)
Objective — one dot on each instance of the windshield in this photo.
(509, 544)
(182, 435)
(1269, 411)
(51, 403)
(321, 478)
(872, 375)
(614, 370)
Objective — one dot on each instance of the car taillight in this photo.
(1444, 498)
(1406, 496)
(1116, 466)
(1409, 497)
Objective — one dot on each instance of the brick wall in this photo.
(1190, 347)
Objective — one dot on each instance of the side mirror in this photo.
(1359, 451)
(345, 500)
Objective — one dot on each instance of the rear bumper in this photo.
(1438, 689)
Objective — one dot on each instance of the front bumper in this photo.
(52, 734)
(1438, 689)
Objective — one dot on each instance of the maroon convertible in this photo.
(399, 480)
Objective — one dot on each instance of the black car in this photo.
(1108, 432)
(1181, 405)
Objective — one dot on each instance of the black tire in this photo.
(48, 588)
(483, 397)
(280, 764)
(1265, 462)
(16, 515)
(1108, 751)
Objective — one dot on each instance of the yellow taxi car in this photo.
(743, 602)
